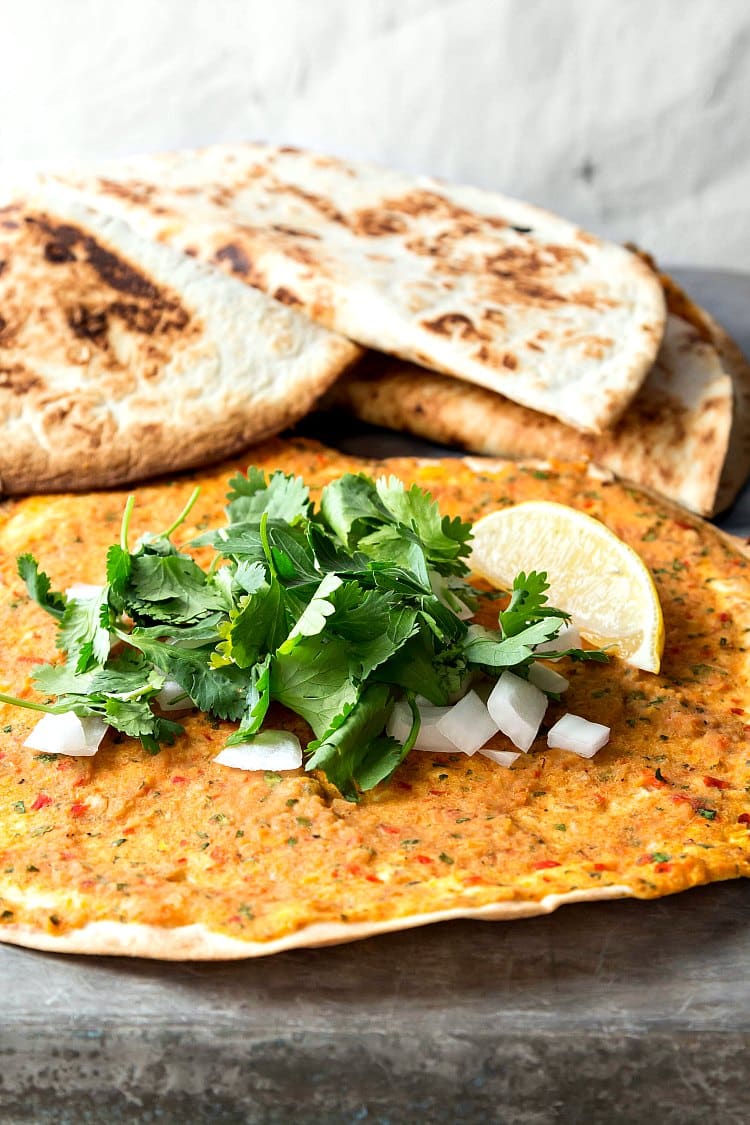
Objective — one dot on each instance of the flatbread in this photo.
(686, 434)
(462, 281)
(121, 358)
(174, 856)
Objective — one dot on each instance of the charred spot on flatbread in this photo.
(286, 297)
(449, 324)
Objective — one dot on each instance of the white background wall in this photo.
(630, 116)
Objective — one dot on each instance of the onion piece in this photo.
(546, 679)
(82, 591)
(468, 724)
(173, 697)
(578, 735)
(429, 738)
(67, 734)
(502, 757)
(276, 750)
(568, 637)
(518, 709)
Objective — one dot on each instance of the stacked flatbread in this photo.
(686, 434)
(532, 336)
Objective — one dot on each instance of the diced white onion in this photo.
(568, 637)
(546, 679)
(574, 733)
(429, 738)
(502, 757)
(67, 734)
(518, 709)
(276, 750)
(173, 697)
(82, 591)
(468, 724)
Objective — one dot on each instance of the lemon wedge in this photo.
(595, 577)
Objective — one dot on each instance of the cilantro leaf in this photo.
(313, 618)
(372, 623)
(217, 691)
(258, 625)
(136, 719)
(314, 680)
(256, 703)
(170, 588)
(349, 746)
(282, 497)
(482, 646)
(527, 604)
(397, 546)
(423, 668)
(332, 556)
(84, 630)
(38, 586)
(349, 505)
(445, 541)
(119, 563)
(61, 679)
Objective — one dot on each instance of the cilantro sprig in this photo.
(335, 611)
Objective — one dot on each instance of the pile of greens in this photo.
(335, 612)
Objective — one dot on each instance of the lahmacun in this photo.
(174, 856)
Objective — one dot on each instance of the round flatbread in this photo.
(121, 358)
(463, 281)
(175, 856)
(685, 434)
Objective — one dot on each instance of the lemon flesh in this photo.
(595, 577)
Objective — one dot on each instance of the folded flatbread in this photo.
(121, 358)
(460, 280)
(176, 856)
(684, 435)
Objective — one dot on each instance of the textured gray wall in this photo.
(631, 116)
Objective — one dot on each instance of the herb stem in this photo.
(27, 703)
(183, 514)
(266, 544)
(129, 505)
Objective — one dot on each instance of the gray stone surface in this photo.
(614, 1012)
